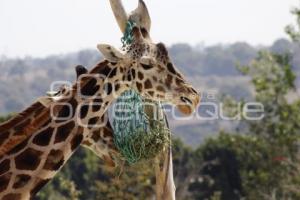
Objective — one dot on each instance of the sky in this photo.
(43, 27)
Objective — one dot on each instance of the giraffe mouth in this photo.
(185, 109)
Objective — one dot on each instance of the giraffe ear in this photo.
(110, 53)
(141, 16)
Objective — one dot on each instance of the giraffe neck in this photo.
(101, 142)
(31, 164)
(26, 168)
(21, 126)
(101, 87)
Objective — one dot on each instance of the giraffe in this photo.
(163, 163)
(73, 115)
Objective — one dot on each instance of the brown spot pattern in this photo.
(96, 107)
(108, 88)
(113, 72)
(84, 111)
(140, 75)
(12, 197)
(44, 137)
(139, 86)
(4, 180)
(96, 136)
(19, 147)
(18, 128)
(93, 121)
(160, 88)
(179, 81)
(20, 117)
(90, 88)
(4, 166)
(28, 160)
(117, 87)
(104, 70)
(133, 73)
(54, 160)
(148, 84)
(3, 137)
(21, 180)
(64, 131)
(107, 132)
(151, 93)
(76, 141)
(169, 81)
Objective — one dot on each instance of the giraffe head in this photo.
(149, 68)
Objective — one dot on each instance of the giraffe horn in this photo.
(120, 13)
(141, 16)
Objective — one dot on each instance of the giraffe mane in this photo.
(20, 117)
(23, 125)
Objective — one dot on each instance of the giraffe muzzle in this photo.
(188, 105)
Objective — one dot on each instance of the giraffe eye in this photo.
(146, 67)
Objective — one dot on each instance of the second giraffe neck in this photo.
(31, 164)
(97, 90)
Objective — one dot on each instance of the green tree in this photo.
(264, 162)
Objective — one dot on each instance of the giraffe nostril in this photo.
(186, 100)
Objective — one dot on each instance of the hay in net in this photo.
(137, 135)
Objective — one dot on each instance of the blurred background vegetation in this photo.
(244, 160)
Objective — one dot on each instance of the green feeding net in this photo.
(140, 130)
(128, 37)
(139, 135)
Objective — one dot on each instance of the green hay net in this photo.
(137, 135)
(127, 38)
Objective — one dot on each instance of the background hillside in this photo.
(246, 159)
(211, 69)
